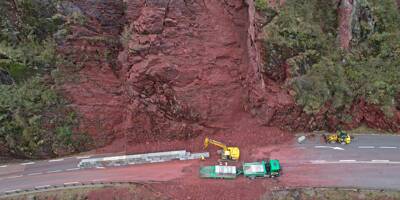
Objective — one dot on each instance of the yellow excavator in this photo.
(340, 137)
(227, 153)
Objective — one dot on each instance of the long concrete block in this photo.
(140, 159)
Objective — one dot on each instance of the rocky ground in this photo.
(154, 71)
(163, 71)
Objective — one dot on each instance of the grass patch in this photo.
(331, 194)
(122, 191)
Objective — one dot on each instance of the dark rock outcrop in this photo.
(5, 78)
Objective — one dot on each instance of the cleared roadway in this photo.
(371, 161)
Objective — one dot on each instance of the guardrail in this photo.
(354, 189)
(72, 185)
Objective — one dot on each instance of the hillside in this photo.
(78, 75)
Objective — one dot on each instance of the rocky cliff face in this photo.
(93, 84)
(183, 65)
(179, 69)
(149, 70)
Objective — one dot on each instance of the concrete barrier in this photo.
(140, 159)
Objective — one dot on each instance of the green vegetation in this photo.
(261, 5)
(331, 193)
(305, 35)
(34, 119)
(115, 191)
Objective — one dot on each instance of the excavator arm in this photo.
(214, 142)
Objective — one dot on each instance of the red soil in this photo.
(190, 186)
(156, 74)
(185, 68)
(181, 71)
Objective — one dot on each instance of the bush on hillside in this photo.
(306, 33)
(35, 121)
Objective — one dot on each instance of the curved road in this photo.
(371, 161)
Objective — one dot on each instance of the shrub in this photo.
(305, 32)
(261, 5)
(32, 116)
(35, 121)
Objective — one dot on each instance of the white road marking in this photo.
(366, 147)
(72, 169)
(3, 166)
(33, 174)
(28, 163)
(10, 191)
(100, 167)
(56, 160)
(71, 183)
(43, 186)
(347, 160)
(380, 161)
(318, 161)
(388, 147)
(55, 171)
(12, 177)
(357, 162)
(328, 147)
(83, 157)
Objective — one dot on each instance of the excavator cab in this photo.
(343, 137)
(227, 153)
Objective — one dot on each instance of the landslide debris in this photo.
(174, 69)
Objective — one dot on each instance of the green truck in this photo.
(262, 169)
(219, 172)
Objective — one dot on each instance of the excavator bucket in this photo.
(206, 141)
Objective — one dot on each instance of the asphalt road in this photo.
(371, 161)
(363, 149)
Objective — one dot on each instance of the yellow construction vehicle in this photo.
(339, 137)
(227, 153)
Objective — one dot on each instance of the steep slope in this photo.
(161, 70)
(165, 70)
(295, 63)
(93, 84)
(183, 67)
